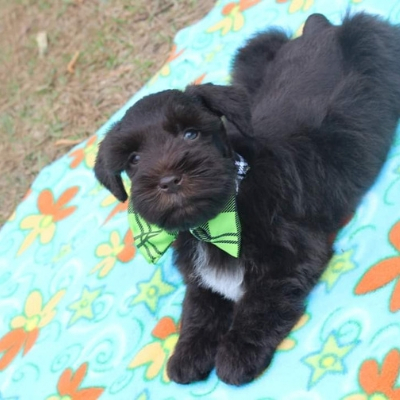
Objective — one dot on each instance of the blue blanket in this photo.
(83, 316)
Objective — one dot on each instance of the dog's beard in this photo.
(206, 189)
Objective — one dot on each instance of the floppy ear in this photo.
(108, 176)
(229, 101)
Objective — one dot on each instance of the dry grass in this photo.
(99, 53)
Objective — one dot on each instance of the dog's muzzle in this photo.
(223, 231)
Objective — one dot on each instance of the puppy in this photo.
(314, 118)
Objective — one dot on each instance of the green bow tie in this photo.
(223, 231)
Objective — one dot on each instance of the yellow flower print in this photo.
(297, 5)
(112, 251)
(289, 343)
(234, 19)
(155, 354)
(299, 31)
(12, 216)
(25, 328)
(43, 225)
(36, 314)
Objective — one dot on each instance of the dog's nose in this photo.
(170, 184)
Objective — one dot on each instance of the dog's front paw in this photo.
(191, 362)
(239, 362)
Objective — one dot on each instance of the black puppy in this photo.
(314, 117)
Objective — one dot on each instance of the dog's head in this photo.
(174, 148)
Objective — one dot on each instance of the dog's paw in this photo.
(238, 362)
(191, 362)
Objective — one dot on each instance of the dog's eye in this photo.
(191, 134)
(134, 158)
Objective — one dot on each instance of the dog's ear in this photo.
(229, 101)
(107, 174)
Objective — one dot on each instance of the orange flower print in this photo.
(166, 69)
(43, 225)
(68, 386)
(297, 5)
(384, 272)
(118, 206)
(86, 154)
(199, 80)
(27, 194)
(378, 383)
(25, 328)
(234, 19)
(112, 251)
(156, 353)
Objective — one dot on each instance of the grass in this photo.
(121, 44)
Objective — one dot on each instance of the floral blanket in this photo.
(83, 316)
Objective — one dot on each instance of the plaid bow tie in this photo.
(223, 231)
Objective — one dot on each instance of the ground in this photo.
(56, 94)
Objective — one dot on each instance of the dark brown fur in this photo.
(315, 118)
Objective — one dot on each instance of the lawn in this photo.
(66, 66)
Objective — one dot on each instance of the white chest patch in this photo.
(229, 283)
